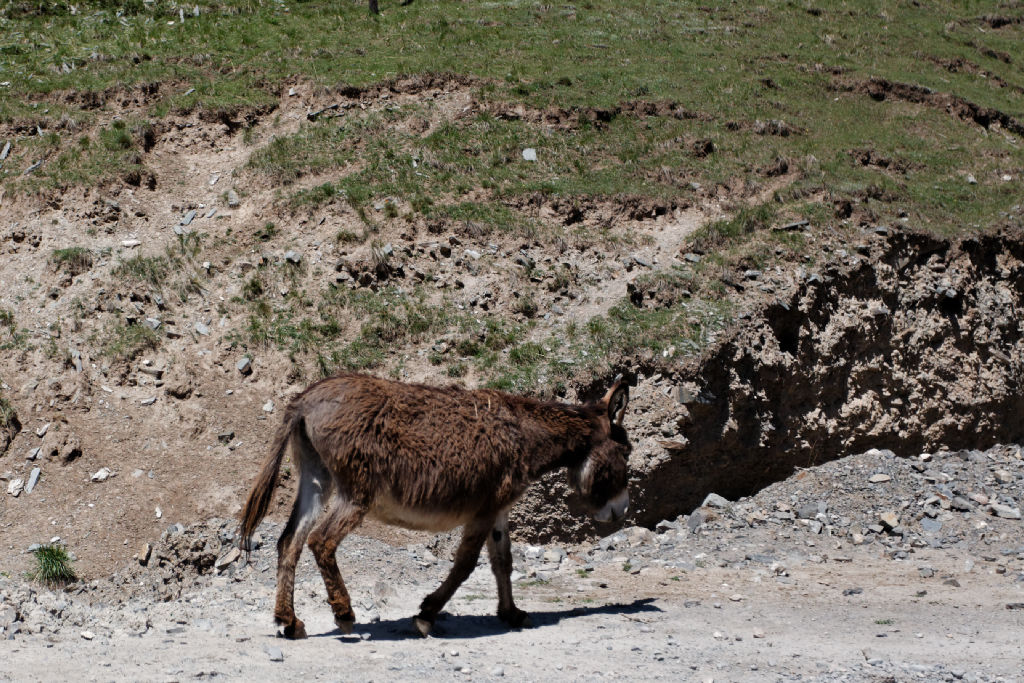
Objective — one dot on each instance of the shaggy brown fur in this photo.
(429, 458)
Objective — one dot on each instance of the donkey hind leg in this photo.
(473, 536)
(499, 548)
(305, 512)
(342, 517)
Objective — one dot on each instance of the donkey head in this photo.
(601, 478)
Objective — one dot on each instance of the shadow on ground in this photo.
(480, 626)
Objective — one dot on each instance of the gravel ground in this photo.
(867, 568)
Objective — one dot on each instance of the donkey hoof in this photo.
(293, 631)
(516, 618)
(423, 626)
(345, 625)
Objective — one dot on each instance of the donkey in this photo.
(429, 458)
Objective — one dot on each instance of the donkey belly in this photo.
(388, 510)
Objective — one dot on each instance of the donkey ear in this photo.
(616, 400)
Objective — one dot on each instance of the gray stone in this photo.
(228, 558)
(807, 511)
(293, 256)
(694, 521)
(14, 487)
(1000, 510)
(530, 154)
(202, 329)
(275, 654)
(233, 200)
(960, 504)
(244, 365)
(713, 500)
(32, 479)
(930, 525)
(225, 436)
(152, 323)
(188, 217)
(6, 151)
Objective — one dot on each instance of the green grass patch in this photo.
(760, 84)
(126, 342)
(74, 260)
(10, 336)
(52, 566)
(8, 416)
(144, 269)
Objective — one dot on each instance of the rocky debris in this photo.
(244, 365)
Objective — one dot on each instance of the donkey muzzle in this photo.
(615, 509)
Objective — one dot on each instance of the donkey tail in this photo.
(263, 490)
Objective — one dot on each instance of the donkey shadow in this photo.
(481, 626)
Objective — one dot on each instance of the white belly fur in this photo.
(386, 509)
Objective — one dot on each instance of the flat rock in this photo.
(1005, 511)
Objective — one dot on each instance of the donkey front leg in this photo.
(499, 547)
(473, 537)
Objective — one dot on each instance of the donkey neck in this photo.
(560, 434)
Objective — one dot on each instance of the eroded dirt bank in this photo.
(902, 341)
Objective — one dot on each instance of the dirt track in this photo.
(640, 627)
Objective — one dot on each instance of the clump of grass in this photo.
(12, 339)
(127, 342)
(117, 137)
(75, 260)
(348, 237)
(746, 222)
(52, 566)
(8, 417)
(526, 305)
(150, 269)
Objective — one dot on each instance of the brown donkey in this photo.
(429, 458)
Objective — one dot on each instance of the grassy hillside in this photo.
(758, 89)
